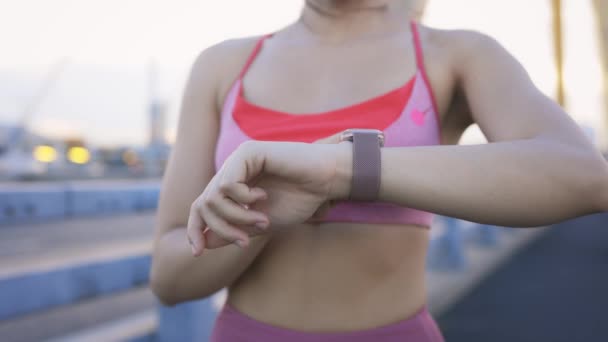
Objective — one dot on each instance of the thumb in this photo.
(213, 240)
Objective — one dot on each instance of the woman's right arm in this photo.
(176, 275)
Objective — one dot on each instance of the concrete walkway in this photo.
(35, 247)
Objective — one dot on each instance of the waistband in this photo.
(234, 326)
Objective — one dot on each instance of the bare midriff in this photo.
(336, 277)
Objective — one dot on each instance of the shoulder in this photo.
(471, 51)
(469, 54)
(220, 64)
(229, 51)
(453, 56)
(460, 44)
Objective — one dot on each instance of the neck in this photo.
(349, 20)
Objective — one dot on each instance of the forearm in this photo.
(522, 183)
(177, 276)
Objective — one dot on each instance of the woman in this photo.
(259, 182)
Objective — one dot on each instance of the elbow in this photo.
(169, 289)
(162, 289)
(167, 295)
(163, 297)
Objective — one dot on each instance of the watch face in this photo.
(347, 135)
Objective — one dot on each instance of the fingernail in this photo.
(261, 225)
(240, 243)
(261, 193)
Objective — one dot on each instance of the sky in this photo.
(100, 54)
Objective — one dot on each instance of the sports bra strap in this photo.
(417, 45)
(254, 53)
(422, 70)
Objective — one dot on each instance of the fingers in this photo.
(194, 232)
(225, 230)
(202, 216)
(241, 193)
(221, 215)
(236, 214)
(212, 240)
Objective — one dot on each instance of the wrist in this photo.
(342, 178)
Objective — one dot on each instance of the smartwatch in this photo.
(365, 183)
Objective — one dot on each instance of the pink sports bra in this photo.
(408, 116)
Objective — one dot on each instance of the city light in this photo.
(78, 155)
(45, 153)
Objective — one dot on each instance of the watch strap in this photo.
(366, 166)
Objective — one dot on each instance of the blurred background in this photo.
(89, 99)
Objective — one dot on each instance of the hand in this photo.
(325, 207)
(269, 183)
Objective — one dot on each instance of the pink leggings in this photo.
(234, 326)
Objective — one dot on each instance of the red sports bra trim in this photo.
(262, 123)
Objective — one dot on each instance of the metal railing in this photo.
(66, 284)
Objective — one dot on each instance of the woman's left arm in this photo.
(538, 167)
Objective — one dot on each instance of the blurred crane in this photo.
(17, 157)
(558, 48)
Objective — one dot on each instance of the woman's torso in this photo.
(334, 275)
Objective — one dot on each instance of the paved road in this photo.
(554, 290)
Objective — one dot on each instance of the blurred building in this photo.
(16, 161)
(156, 154)
(25, 155)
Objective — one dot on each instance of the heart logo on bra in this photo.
(418, 116)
